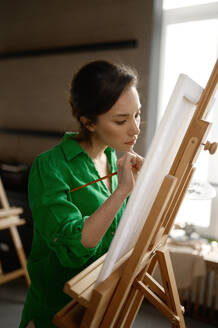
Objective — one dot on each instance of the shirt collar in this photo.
(72, 148)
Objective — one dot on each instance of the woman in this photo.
(74, 228)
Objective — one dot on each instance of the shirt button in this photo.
(55, 239)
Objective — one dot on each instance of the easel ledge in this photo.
(116, 301)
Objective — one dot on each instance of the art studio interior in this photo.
(43, 44)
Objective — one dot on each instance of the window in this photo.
(190, 46)
(170, 4)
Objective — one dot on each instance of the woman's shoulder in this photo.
(49, 156)
(57, 152)
(60, 156)
(48, 168)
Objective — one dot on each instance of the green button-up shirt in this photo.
(57, 252)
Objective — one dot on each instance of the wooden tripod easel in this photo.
(116, 301)
(10, 219)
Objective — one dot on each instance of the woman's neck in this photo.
(94, 149)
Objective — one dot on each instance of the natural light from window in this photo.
(171, 4)
(190, 47)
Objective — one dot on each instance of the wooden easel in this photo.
(9, 219)
(116, 301)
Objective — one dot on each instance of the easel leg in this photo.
(170, 287)
(134, 300)
(130, 309)
(20, 251)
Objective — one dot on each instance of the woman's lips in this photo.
(131, 142)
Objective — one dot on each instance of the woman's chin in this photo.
(124, 147)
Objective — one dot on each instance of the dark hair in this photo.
(95, 88)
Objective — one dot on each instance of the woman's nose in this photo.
(134, 129)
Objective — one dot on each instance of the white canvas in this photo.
(158, 161)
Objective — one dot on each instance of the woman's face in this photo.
(119, 127)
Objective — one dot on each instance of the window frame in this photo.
(176, 16)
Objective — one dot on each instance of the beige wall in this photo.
(33, 94)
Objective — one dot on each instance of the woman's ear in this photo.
(87, 123)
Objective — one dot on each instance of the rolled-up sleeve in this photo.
(56, 218)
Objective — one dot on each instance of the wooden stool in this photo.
(10, 219)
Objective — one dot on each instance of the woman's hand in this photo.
(128, 168)
(97, 224)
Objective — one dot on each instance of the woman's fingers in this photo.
(128, 159)
(128, 167)
(131, 159)
(138, 160)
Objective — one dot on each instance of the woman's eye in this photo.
(121, 122)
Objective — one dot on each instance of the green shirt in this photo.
(57, 253)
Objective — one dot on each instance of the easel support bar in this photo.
(157, 302)
(140, 250)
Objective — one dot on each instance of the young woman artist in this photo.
(73, 229)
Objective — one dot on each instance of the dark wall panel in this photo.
(35, 73)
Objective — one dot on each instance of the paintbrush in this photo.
(94, 181)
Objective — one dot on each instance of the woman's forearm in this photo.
(98, 223)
